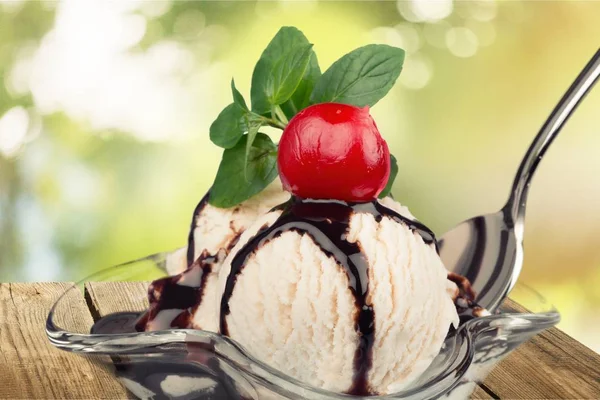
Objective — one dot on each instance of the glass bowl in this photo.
(186, 363)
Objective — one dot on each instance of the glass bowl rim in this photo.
(152, 342)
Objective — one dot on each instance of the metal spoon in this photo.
(488, 249)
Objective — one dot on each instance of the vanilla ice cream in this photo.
(213, 228)
(362, 313)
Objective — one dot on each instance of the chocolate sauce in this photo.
(465, 304)
(191, 241)
(181, 292)
(327, 223)
(116, 323)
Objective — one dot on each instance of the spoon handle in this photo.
(561, 113)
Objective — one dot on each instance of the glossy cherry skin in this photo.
(333, 151)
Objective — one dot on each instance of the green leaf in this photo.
(286, 74)
(253, 127)
(236, 182)
(285, 39)
(237, 96)
(393, 172)
(229, 126)
(258, 91)
(301, 97)
(361, 77)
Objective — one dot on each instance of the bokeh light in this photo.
(425, 10)
(462, 42)
(14, 125)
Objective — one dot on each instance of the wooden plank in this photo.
(30, 367)
(551, 365)
(110, 297)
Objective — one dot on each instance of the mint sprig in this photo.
(286, 79)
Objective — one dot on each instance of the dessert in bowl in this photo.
(321, 286)
(191, 363)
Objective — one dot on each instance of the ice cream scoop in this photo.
(347, 297)
(216, 229)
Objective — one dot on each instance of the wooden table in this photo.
(550, 366)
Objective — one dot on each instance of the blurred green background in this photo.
(105, 109)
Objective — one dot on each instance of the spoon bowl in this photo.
(488, 249)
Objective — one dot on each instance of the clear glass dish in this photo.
(186, 364)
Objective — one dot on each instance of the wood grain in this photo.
(551, 365)
(30, 367)
(110, 297)
(545, 367)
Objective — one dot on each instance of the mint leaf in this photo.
(237, 96)
(236, 182)
(286, 74)
(229, 126)
(285, 39)
(393, 172)
(361, 77)
(253, 127)
(258, 91)
(301, 97)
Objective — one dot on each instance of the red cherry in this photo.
(333, 151)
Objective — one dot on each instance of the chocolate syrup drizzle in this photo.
(179, 292)
(466, 307)
(191, 241)
(327, 223)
